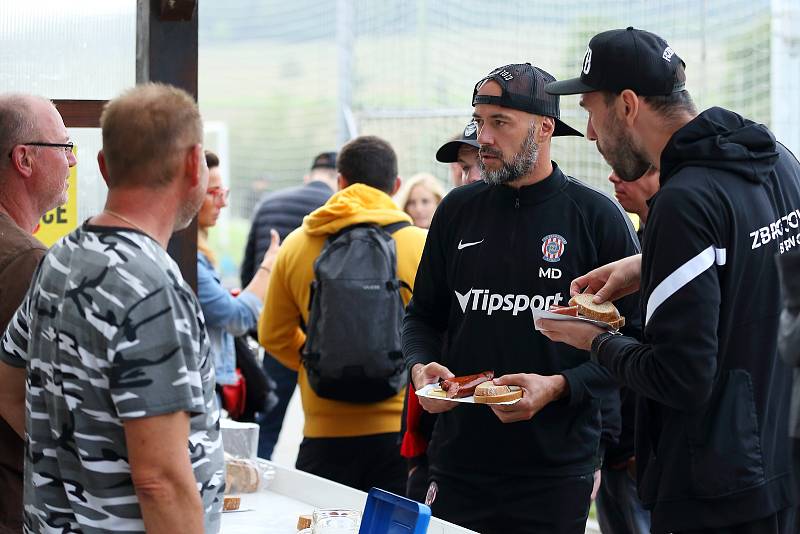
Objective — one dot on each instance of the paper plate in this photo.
(544, 314)
(426, 392)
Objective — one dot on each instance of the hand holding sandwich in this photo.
(580, 334)
(538, 392)
(612, 281)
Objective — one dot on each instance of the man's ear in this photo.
(340, 181)
(193, 162)
(546, 129)
(629, 106)
(101, 162)
(397, 183)
(21, 160)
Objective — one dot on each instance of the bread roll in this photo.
(241, 476)
(489, 393)
(605, 311)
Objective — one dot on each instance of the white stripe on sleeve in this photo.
(682, 276)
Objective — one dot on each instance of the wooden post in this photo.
(80, 113)
(166, 51)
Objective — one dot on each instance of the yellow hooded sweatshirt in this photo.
(287, 303)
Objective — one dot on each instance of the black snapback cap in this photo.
(326, 160)
(633, 59)
(523, 89)
(448, 152)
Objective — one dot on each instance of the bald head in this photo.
(18, 121)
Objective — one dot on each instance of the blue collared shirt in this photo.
(226, 316)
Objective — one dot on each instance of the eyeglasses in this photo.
(220, 194)
(67, 147)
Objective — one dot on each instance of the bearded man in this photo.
(712, 454)
(497, 249)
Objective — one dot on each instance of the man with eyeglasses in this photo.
(121, 421)
(34, 172)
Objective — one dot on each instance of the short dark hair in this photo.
(668, 106)
(212, 160)
(673, 104)
(368, 160)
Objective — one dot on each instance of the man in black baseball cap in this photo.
(325, 160)
(711, 447)
(626, 59)
(284, 211)
(496, 250)
(638, 67)
(462, 154)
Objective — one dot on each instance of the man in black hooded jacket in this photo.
(711, 446)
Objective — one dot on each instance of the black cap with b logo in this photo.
(632, 59)
(522, 88)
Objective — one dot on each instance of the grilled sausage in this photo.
(464, 386)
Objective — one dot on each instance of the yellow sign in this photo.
(60, 221)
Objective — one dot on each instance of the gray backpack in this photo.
(353, 351)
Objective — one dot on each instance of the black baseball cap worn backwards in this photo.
(633, 59)
(448, 152)
(325, 160)
(522, 87)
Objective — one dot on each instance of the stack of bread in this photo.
(241, 476)
(489, 393)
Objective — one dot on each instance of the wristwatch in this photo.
(598, 341)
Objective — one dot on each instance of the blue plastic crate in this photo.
(387, 513)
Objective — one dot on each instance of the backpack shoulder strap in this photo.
(393, 227)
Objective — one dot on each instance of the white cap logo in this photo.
(668, 53)
(471, 128)
(587, 61)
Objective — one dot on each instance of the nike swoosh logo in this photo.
(465, 245)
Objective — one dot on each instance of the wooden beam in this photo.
(80, 113)
(166, 51)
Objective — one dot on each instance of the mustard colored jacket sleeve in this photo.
(410, 242)
(279, 325)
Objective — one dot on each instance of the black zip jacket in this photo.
(711, 426)
(482, 270)
(282, 210)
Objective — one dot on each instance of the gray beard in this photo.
(520, 165)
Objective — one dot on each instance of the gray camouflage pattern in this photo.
(109, 331)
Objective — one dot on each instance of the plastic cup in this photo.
(335, 521)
